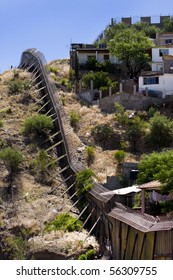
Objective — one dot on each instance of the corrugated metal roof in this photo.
(136, 219)
(153, 185)
(123, 191)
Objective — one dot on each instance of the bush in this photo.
(102, 131)
(161, 132)
(84, 181)
(90, 154)
(41, 164)
(100, 79)
(15, 86)
(64, 222)
(74, 119)
(38, 125)
(119, 156)
(120, 114)
(12, 159)
(89, 255)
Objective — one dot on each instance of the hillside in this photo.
(30, 203)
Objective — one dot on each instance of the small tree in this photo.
(12, 159)
(135, 130)
(120, 114)
(157, 166)
(119, 156)
(161, 132)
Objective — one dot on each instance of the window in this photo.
(151, 80)
(168, 41)
(163, 52)
(106, 56)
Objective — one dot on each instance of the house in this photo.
(159, 82)
(80, 53)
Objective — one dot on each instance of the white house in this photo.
(159, 83)
(157, 54)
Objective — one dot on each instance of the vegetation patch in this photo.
(64, 222)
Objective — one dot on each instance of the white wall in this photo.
(82, 57)
(165, 85)
(155, 54)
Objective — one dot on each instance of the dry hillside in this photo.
(26, 208)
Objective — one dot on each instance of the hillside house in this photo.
(159, 82)
(80, 53)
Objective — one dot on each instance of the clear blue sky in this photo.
(51, 25)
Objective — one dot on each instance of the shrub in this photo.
(54, 70)
(84, 181)
(12, 159)
(120, 114)
(90, 154)
(100, 79)
(1, 123)
(119, 156)
(37, 125)
(74, 119)
(89, 255)
(64, 222)
(15, 86)
(160, 132)
(102, 131)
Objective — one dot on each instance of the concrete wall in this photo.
(129, 101)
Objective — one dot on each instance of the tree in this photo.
(119, 156)
(130, 47)
(161, 131)
(135, 130)
(100, 79)
(168, 25)
(157, 166)
(12, 159)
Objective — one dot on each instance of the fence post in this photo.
(121, 87)
(146, 91)
(92, 86)
(134, 89)
(80, 86)
(110, 91)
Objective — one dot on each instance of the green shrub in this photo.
(1, 123)
(64, 222)
(166, 206)
(12, 159)
(90, 154)
(54, 70)
(84, 181)
(102, 131)
(119, 156)
(157, 166)
(100, 79)
(15, 86)
(120, 114)
(42, 163)
(82, 257)
(37, 126)
(160, 132)
(89, 255)
(74, 119)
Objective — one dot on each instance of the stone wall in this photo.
(129, 101)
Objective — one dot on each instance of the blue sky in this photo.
(51, 25)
